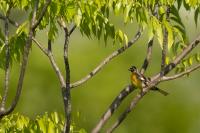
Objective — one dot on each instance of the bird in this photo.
(138, 80)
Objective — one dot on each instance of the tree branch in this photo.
(165, 42)
(166, 78)
(10, 21)
(72, 30)
(107, 60)
(37, 22)
(148, 56)
(113, 107)
(66, 91)
(154, 81)
(43, 49)
(24, 63)
(49, 54)
(7, 65)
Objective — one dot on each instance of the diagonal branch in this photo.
(24, 63)
(166, 78)
(49, 53)
(155, 80)
(72, 30)
(9, 20)
(148, 56)
(107, 60)
(44, 9)
(113, 107)
(132, 105)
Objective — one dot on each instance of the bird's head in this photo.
(133, 69)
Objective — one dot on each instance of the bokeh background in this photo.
(179, 112)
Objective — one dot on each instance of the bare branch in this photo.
(165, 42)
(133, 104)
(37, 22)
(113, 107)
(49, 53)
(10, 21)
(43, 49)
(72, 30)
(148, 56)
(7, 66)
(107, 60)
(166, 78)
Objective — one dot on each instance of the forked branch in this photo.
(107, 60)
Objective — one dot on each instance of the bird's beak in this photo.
(129, 69)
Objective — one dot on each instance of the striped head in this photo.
(133, 69)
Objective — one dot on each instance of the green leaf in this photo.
(159, 32)
(197, 57)
(170, 37)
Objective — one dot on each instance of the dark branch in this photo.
(165, 42)
(166, 78)
(148, 56)
(113, 107)
(72, 30)
(155, 80)
(66, 91)
(107, 60)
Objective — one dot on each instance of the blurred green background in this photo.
(177, 113)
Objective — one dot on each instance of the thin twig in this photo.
(113, 107)
(148, 56)
(10, 20)
(107, 60)
(43, 49)
(7, 65)
(49, 54)
(166, 78)
(72, 30)
(41, 15)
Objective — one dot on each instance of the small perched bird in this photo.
(140, 81)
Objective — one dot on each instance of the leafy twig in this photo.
(166, 78)
(107, 60)
(155, 80)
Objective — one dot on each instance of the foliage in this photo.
(92, 17)
(46, 123)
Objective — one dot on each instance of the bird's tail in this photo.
(160, 90)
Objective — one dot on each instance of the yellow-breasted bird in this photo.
(138, 80)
